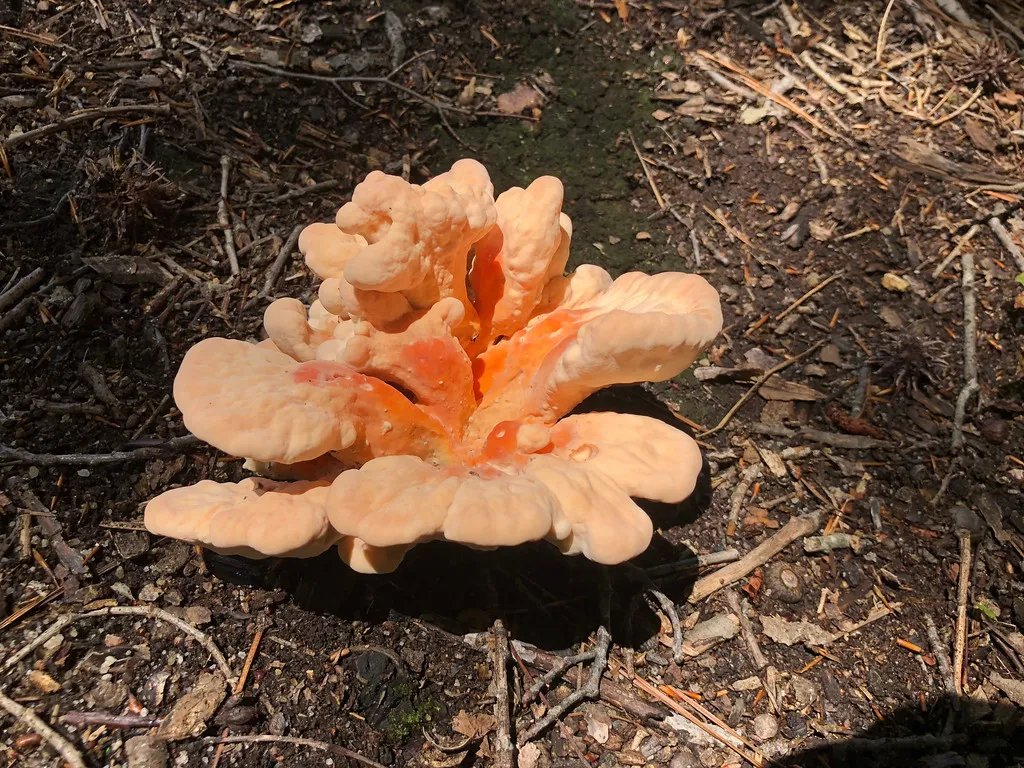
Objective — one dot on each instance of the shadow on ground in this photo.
(940, 733)
(545, 598)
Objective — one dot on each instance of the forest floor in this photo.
(849, 176)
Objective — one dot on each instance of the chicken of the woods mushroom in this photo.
(424, 395)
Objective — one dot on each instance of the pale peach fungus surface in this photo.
(424, 394)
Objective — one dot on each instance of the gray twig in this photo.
(83, 116)
(10, 455)
(504, 754)
(282, 257)
(21, 288)
(148, 611)
(60, 745)
(224, 218)
(970, 348)
(589, 690)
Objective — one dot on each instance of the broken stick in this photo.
(796, 528)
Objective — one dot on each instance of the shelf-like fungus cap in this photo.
(253, 401)
(254, 518)
(591, 333)
(571, 484)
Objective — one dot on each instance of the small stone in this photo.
(765, 727)
(643, 235)
(122, 589)
(278, 725)
(146, 752)
(131, 544)
(684, 758)
(198, 615)
(995, 430)
(893, 282)
(106, 694)
(661, 115)
(113, 641)
(173, 560)
(150, 593)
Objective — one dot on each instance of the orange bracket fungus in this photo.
(424, 394)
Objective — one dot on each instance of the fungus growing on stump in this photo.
(424, 395)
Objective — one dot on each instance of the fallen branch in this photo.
(10, 455)
(148, 611)
(971, 386)
(760, 662)
(796, 528)
(997, 228)
(309, 190)
(282, 257)
(83, 116)
(503, 748)
(21, 288)
(58, 743)
(963, 586)
(941, 655)
(589, 690)
(224, 218)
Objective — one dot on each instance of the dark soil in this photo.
(121, 215)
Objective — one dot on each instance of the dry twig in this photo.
(1001, 235)
(282, 258)
(60, 745)
(224, 218)
(83, 116)
(758, 383)
(503, 747)
(20, 289)
(796, 528)
(10, 455)
(268, 739)
(148, 611)
(963, 586)
(760, 662)
(589, 690)
(941, 655)
(970, 348)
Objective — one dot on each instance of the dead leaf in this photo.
(710, 633)
(192, 711)
(979, 136)
(781, 389)
(623, 9)
(518, 99)
(472, 726)
(43, 681)
(792, 632)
